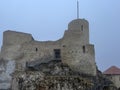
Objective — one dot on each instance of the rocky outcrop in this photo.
(39, 81)
(54, 75)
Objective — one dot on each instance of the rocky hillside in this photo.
(54, 75)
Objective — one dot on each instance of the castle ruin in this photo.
(20, 49)
(73, 49)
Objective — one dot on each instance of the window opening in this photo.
(83, 49)
(64, 46)
(57, 53)
(36, 49)
(82, 27)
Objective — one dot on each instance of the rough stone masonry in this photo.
(73, 49)
(20, 51)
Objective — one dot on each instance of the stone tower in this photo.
(76, 50)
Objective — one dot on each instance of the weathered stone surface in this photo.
(54, 75)
(6, 69)
(30, 62)
(26, 80)
(53, 83)
(74, 48)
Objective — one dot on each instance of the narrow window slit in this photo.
(83, 49)
(36, 49)
(82, 27)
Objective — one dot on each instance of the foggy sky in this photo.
(48, 19)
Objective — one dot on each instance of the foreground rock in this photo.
(56, 76)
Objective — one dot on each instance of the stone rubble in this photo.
(56, 76)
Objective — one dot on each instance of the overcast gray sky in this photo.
(48, 19)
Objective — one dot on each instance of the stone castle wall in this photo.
(77, 33)
(16, 43)
(12, 43)
(74, 48)
(17, 38)
(80, 60)
(40, 49)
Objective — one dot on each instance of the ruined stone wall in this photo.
(76, 50)
(78, 32)
(80, 60)
(15, 43)
(11, 52)
(21, 47)
(40, 50)
(13, 37)
(12, 42)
